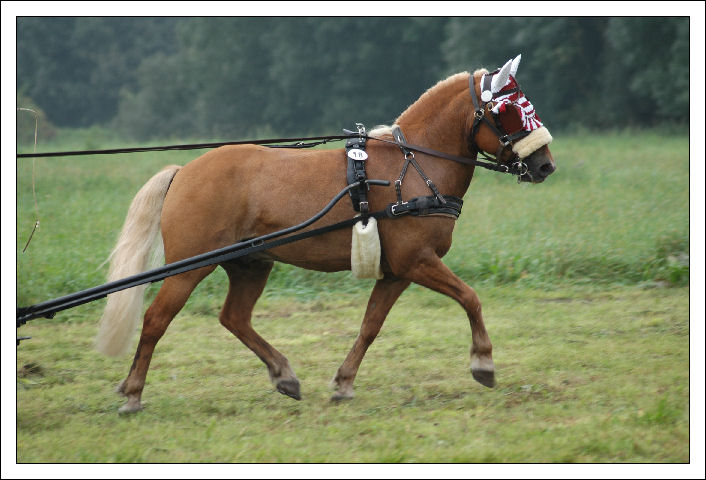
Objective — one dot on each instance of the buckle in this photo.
(392, 208)
(361, 129)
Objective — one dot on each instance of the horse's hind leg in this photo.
(247, 281)
(431, 272)
(169, 301)
(383, 296)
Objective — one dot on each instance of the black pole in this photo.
(49, 308)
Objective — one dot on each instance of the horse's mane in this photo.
(387, 129)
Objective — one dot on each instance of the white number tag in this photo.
(357, 154)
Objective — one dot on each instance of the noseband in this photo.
(481, 108)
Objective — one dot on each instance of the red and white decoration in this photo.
(504, 80)
(517, 99)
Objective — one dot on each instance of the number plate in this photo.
(357, 154)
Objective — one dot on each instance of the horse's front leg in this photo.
(383, 296)
(431, 272)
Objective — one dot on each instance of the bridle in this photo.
(484, 106)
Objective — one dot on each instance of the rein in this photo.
(311, 142)
(301, 142)
(496, 167)
(480, 106)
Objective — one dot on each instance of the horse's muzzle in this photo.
(540, 165)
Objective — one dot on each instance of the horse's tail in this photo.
(138, 239)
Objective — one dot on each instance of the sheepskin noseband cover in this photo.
(532, 142)
(365, 250)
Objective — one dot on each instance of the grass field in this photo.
(585, 289)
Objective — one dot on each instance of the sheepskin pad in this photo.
(365, 250)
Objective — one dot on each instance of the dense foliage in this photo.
(237, 77)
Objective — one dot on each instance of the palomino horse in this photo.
(239, 192)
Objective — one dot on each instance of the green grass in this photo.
(584, 375)
(584, 282)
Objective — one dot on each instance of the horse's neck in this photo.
(439, 120)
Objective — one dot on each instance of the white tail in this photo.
(130, 256)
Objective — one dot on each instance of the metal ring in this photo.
(520, 164)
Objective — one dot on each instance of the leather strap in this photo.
(409, 158)
(355, 173)
(447, 156)
(425, 206)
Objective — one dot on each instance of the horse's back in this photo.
(238, 192)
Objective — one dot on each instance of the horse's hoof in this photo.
(130, 407)
(343, 392)
(484, 377)
(340, 397)
(289, 388)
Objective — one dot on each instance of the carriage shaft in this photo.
(49, 308)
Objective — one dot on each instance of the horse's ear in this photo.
(501, 78)
(515, 64)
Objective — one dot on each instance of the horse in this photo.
(241, 192)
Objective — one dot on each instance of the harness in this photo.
(436, 204)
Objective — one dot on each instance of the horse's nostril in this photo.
(547, 168)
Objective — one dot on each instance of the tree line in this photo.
(236, 77)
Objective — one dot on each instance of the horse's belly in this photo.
(327, 253)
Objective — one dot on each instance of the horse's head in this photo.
(505, 124)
